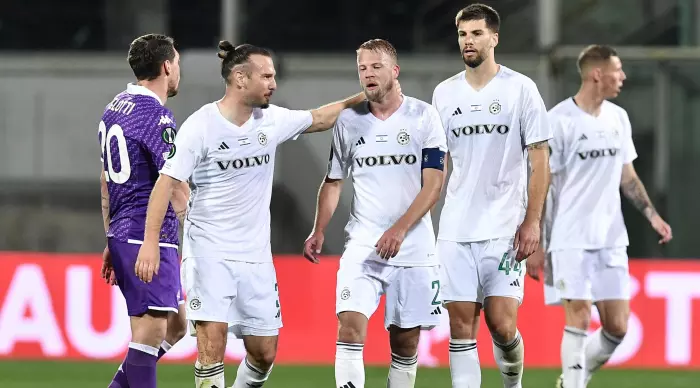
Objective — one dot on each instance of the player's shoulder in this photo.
(564, 114)
(449, 84)
(417, 107)
(614, 108)
(201, 120)
(516, 79)
(353, 113)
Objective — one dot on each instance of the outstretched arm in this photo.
(324, 117)
(633, 188)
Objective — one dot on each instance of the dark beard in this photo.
(172, 93)
(473, 63)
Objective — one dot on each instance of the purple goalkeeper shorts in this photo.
(161, 294)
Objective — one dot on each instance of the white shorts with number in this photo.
(242, 294)
(473, 271)
(412, 293)
(595, 275)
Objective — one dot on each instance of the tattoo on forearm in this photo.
(538, 145)
(181, 216)
(634, 191)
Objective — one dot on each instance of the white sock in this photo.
(209, 376)
(349, 365)
(402, 372)
(250, 376)
(465, 368)
(598, 349)
(165, 346)
(509, 358)
(572, 359)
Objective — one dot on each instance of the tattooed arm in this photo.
(105, 201)
(633, 188)
(181, 195)
(527, 238)
(538, 154)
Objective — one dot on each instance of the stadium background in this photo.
(62, 62)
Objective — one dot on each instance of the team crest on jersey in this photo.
(495, 108)
(168, 136)
(262, 139)
(403, 138)
(345, 294)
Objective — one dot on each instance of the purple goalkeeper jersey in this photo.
(136, 135)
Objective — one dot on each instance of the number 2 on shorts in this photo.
(436, 284)
(504, 266)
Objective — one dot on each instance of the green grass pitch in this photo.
(31, 374)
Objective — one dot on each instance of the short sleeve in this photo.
(435, 132)
(629, 152)
(160, 144)
(534, 123)
(437, 110)
(187, 151)
(291, 123)
(338, 167)
(557, 144)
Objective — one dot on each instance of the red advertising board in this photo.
(56, 306)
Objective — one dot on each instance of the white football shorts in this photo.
(595, 275)
(242, 294)
(473, 271)
(412, 293)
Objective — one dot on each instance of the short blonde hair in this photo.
(380, 45)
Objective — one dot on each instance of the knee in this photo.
(463, 326)
(176, 331)
(405, 344)
(503, 330)
(149, 330)
(264, 356)
(617, 327)
(578, 315)
(351, 328)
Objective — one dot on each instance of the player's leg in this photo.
(177, 328)
(461, 294)
(413, 302)
(177, 322)
(572, 271)
(404, 358)
(358, 290)
(257, 318)
(147, 306)
(210, 285)
(611, 295)
(503, 281)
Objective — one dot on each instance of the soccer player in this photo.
(136, 134)
(494, 117)
(591, 160)
(394, 148)
(227, 148)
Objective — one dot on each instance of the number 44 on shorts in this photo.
(505, 265)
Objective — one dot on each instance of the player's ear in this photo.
(238, 78)
(167, 68)
(494, 39)
(396, 71)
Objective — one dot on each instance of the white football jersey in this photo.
(487, 134)
(230, 169)
(586, 161)
(384, 159)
